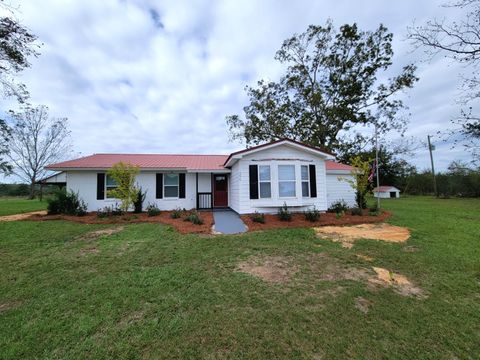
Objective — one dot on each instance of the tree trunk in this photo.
(32, 190)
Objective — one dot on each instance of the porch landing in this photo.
(228, 222)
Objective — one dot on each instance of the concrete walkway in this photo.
(228, 222)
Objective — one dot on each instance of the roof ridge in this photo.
(156, 154)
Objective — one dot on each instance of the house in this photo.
(260, 178)
(386, 191)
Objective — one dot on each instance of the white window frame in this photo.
(109, 187)
(305, 181)
(294, 181)
(264, 181)
(177, 186)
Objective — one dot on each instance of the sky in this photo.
(150, 76)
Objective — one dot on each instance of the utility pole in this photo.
(376, 166)
(431, 148)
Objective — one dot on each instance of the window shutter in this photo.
(159, 187)
(100, 186)
(313, 181)
(181, 188)
(253, 176)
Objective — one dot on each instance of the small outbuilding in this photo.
(386, 191)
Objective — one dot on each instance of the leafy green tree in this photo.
(124, 175)
(330, 90)
(360, 182)
(17, 44)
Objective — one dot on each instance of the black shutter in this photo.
(181, 183)
(313, 181)
(253, 175)
(100, 186)
(159, 187)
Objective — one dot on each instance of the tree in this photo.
(17, 44)
(36, 141)
(5, 167)
(124, 176)
(330, 90)
(360, 183)
(459, 40)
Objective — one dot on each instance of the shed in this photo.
(386, 191)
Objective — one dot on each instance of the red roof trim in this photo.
(275, 142)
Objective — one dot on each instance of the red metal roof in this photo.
(145, 161)
(385, 188)
(332, 165)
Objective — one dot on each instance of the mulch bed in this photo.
(298, 220)
(184, 227)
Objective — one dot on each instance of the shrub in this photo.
(312, 215)
(284, 214)
(117, 210)
(356, 211)
(138, 203)
(258, 217)
(104, 212)
(194, 218)
(176, 213)
(340, 214)
(338, 207)
(152, 210)
(374, 210)
(67, 203)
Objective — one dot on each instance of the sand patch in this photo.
(398, 282)
(93, 235)
(362, 304)
(23, 216)
(273, 269)
(348, 234)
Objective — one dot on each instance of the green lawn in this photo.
(18, 205)
(149, 292)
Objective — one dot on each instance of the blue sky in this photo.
(151, 76)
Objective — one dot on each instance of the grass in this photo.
(149, 292)
(18, 205)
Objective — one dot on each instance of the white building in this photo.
(261, 178)
(386, 191)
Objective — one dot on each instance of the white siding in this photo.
(338, 189)
(279, 155)
(234, 188)
(85, 184)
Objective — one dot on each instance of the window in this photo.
(286, 180)
(110, 184)
(264, 181)
(305, 181)
(170, 185)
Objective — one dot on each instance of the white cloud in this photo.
(149, 76)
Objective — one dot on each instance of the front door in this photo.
(220, 191)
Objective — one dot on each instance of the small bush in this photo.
(340, 214)
(338, 207)
(194, 218)
(152, 210)
(284, 214)
(117, 210)
(356, 212)
(67, 203)
(312, 215)
(138, 204)
(176, 213)
(258, 217)
(104, 212)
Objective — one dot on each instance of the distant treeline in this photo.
(455, 182)
(24, 189)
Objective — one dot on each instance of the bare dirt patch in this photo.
(92, 250)
(23, 216)
(398, 282)
(93, 235)
(348, 234)
(363, 304)
(272, 269)
(9, 306)
(364, 257)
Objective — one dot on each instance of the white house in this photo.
(261, 178)
(386, 191)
